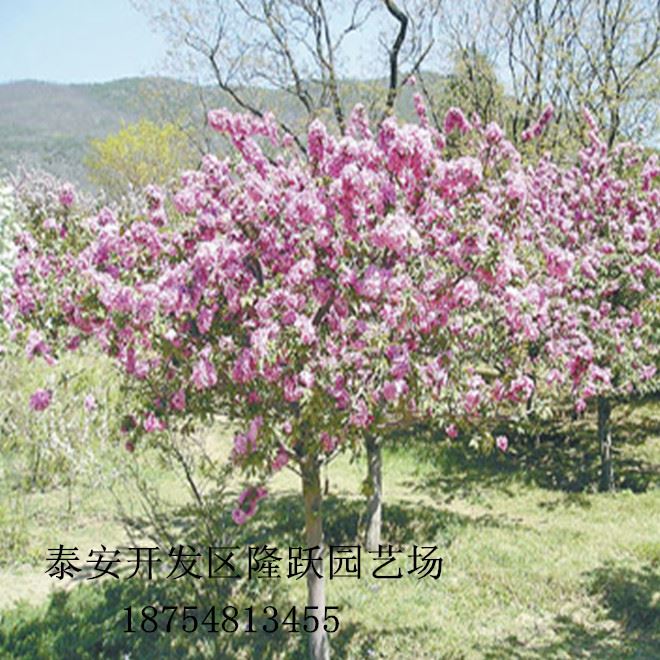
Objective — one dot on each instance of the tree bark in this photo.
(605, 442)
(375, 498)
(319, 646)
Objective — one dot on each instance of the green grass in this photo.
(535, 564)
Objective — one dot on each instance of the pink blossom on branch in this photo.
(379, 282)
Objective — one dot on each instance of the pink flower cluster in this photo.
(379, 281)
(247, 504)
(246, 443)
(41, 399)
(537, 128)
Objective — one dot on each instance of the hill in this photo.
(50, 125)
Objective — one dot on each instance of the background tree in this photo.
(620, 65)
(575, 53)
(474, 87)
(569, 53)
(305, 49)
(139, 154)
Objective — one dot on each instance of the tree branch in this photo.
(402, 19)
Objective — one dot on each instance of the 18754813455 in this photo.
(229, 619)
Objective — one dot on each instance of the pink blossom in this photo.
(554, 377)
(251, 497)
(472, 401)
(328, 442)
(204, 320)
(647, 372)
(291, 390)
(358, 123)
(502, 442)
(245, 495)
(204, 375)
(260, 493)
(253, 429)
(536, 129)
(51, 224)
(280, 460)
(244, 367)
(242, 446)
(35, 345)
(178, 401)
(420, 108)
(246, 443)
(393, 389)
(466, 292)
(306, 328)
(318, 140)
(300, 272)
(521, 388)
(494, 133)
(67, 196)
(41, 399)
(239, 516)
(307, 379)
(361, 417)
(152, 423)
(455, 120)
(73, 343)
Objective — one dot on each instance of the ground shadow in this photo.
(559, 460)
(630, 625)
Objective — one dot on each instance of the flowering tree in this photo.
(316, 301)
(592, 311)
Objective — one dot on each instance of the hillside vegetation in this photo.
(50, 126)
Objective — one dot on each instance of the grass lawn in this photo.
(535, 564)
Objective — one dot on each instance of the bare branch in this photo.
(402, 19)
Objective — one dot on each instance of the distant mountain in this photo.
(50, 125)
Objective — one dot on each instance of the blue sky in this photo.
(75, 41)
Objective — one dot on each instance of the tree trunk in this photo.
(319, 646)
(605, 442)
(375, 498)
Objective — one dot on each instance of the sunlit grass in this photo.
(529, 570)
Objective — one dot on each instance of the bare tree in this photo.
(618, 50)
(602, 54)
(573, 53)
(468, 55)
(259, 52)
